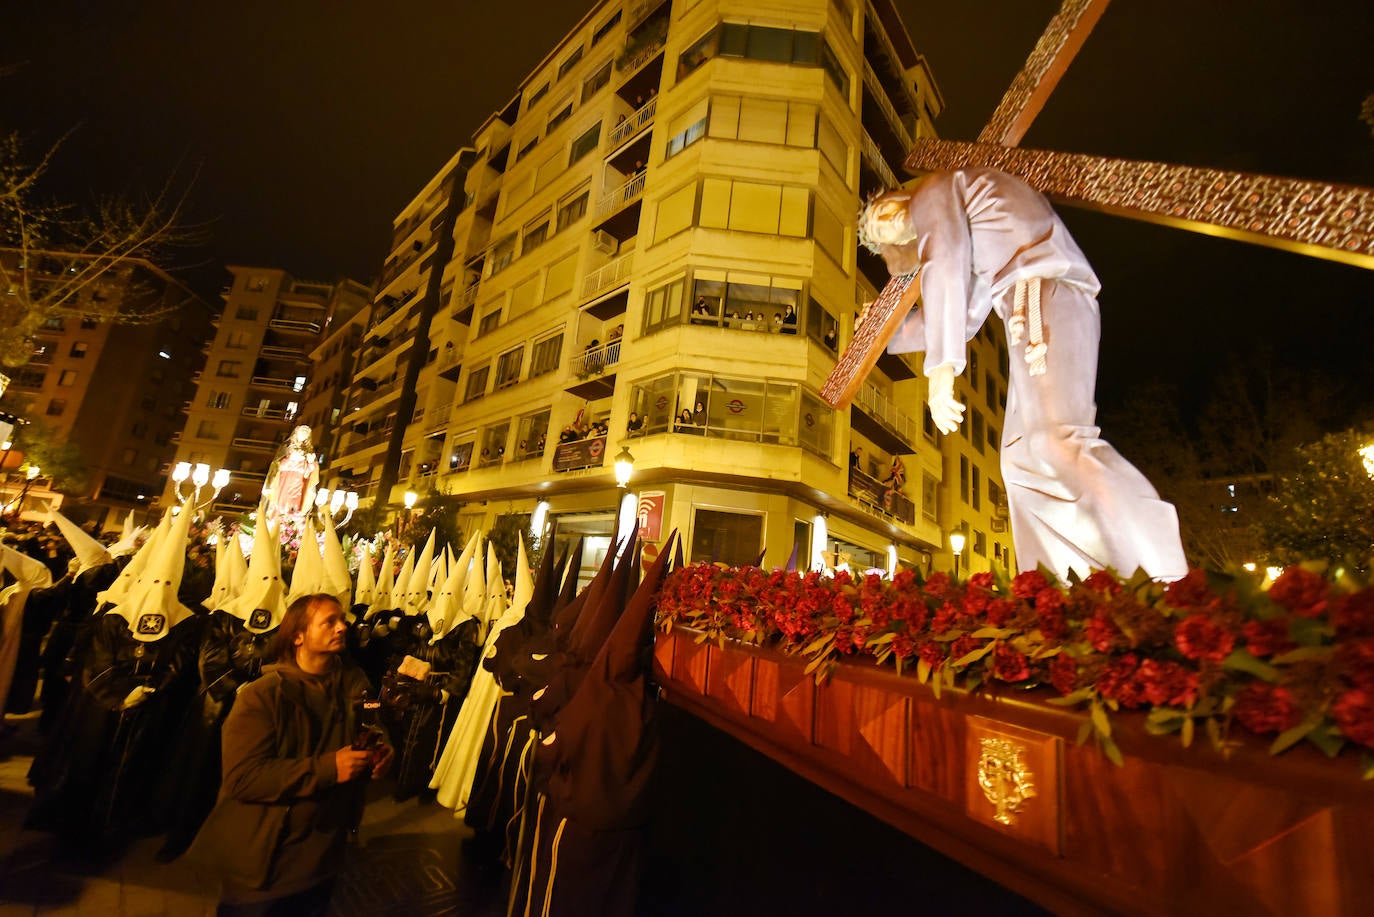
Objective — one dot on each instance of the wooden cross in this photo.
(1319, 219)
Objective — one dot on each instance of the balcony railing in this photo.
(596, 360)
(249, 442)
(249, 475)
(625, 194)
(872, 402)
(879, 164)
(282, 353)
(612, 274)
(438, 418)
(301, 326)
(274, 382)
(267, 413)
(879, 95)
(633, 124)
(466, 298)
(880, 498)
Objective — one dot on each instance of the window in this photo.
(687, 128)
(605, 28)
(833, 147)
(490, 322)
(929, 497)
(246, 313)
(67, 378)
(980, 543)
(207, 429)
(728, 538)
(698, 53)
(760, 120)
(585, 143)
(748, 302)
(979, 431)
(994, 437)
(56, 406)
(573, 209)
(592, 84)
(230, 369)
(562, 115)
(537, 95)
(501, 255)
(531, 435)
(973, 368)
(139, 430)
(53, 324)
(754, 207)
(477, 384)
(989, 389)
(87, 323)
(524, 150)
(977, 488)
(79, 349)
(129, 456)
(568, 64)
(963, 478)
(545, 354)
(834, 69)
(236, 340)
(752, 410)
(536, 234)
(493, 442)
(663, 306)
(508, 367)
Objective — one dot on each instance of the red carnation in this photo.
(1354, 713)
(1117, 682)
(1064, 673)
(903, 646)
(1009, 664)
(963, 646)
(1102, 581)
(945, 618)
(931, 653)
(1263, 708)
(1354, 614)
(1027, 584)
(1102, 632)
(939, 586)
(1301, 592)
(1189, 592)
(1355, 659)
(982, 580)
(1267, 638)
(1000, 611)
(1201, 638)
(1167, 683)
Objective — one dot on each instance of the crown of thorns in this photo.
(865, 211)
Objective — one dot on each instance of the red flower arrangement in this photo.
(1296, 663)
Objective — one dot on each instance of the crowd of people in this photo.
(239, 718)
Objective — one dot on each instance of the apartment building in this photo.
(653, 253)
(331, 370)
(113, 390)
(257, 367)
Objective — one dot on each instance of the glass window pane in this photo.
(725, 117)
(805, 48)
(754, 207)
(715, 203)
(729, 538)
(734, 39)
(770, 44)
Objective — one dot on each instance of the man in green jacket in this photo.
(292, 786)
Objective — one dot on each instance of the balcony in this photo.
(879, 419)
(607, 277)
(595, 361)
(878, 94)
(580, 453)
(274, 382)
(270, 412)
(626, 194)
(438, 419)
(873, 158)
(255, 444)
(258, 476)
(633, 124)
(295, 325)
(295, 354)
(879, 499)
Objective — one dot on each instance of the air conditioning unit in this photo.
(603, 241)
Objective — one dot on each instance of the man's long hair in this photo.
(294, 623)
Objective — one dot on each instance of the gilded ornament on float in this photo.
(1004, 778)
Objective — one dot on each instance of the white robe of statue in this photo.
(1075, 503)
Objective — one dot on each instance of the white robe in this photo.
(30, 575)
(1075, 503)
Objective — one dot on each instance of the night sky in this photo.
(309, 125)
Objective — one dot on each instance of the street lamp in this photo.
(624, 467)
(1367, 457)
(956, 545)
(200, 477)
(30, 475)
(411, 498)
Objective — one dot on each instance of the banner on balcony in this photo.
(650, 510)
(580, 453)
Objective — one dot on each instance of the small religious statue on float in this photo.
(289, 490)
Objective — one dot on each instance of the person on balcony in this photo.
(789, 320)
(634, 424)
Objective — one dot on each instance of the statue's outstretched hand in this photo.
(947, 413)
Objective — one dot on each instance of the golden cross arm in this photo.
(1056, 49)
(1320, 219)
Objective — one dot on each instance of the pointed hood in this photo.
(119, 589)
(308, 576)
(386, 581)
(219, 590)
(439, 571)
(416, 597)
(594, 625)
(89, 552)
(337, 581)
(235, 570)
(475, 586)
(28, 572)
(261, 603)
(524, 582)
(151, 607)
(494, 602)
(128, 538)
(446, 611)
(367, 582)
(398, 589)
(568, 573)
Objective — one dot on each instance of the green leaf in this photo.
(1161, 728)
(882, 640)
(970, 658)
(1110, 750)
(992, 633)
(935, 684)
(1244, 661)
(816, 645)
(1188, 725)
(1085, 729)
(1214, 732)
(1304, 654)
(1069, 700)
(1328, 739)
(1291, 737)
(1367, 766)
(922, 670)
(1162, 715)
(1098, 713)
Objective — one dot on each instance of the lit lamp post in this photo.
(199, 476)
(332, 501)
(956, 545)
(1367, 457)
(624, 470)
(30, 475)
